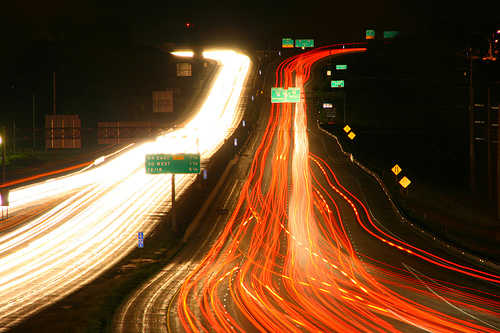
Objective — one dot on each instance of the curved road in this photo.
(76, 227)
(312, 244)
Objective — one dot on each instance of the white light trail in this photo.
(98, 212)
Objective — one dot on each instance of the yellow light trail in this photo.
(102, 208)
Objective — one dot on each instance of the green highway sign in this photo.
(337, 83)
(172, 163)
(282, 95)
(340, 67)
(391, 34)
(287, 42)
(304, 43)
(370, 34)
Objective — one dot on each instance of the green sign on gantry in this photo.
(282, 95)
(287, 42)
(304, 43)
(337, 83)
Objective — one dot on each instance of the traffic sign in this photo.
(347, 128)
(405, 182)
(331, 113)
(396, 169)
(351, 135)
(370, 34)
(337, 83)
(282, 95)
(391, 34)
(141, 243)
(341, 67)
(140, 235)
(287, 43)
(304, 43)
(172, 163)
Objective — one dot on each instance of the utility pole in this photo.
(345, 110)
(488, 146)
(55, 149)
(4, 192)
(33, 121)
(498, 163)
(3, 143)
(471, 129)
(54, 92)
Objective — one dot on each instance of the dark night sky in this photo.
(239, 22)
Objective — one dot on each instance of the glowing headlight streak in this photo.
(101, 209)
(316, 282)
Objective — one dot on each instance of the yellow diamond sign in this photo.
(404, 182)
(347, 128)
(351, 135)
(396, 169)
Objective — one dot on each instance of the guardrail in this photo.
(412, 225)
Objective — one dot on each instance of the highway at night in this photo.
(312, 245)
(65, 232)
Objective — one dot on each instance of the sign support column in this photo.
(173, 227)
(171, 164)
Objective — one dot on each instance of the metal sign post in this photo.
(396, 170)
(140, 244)
(173, 227)
(172, 163)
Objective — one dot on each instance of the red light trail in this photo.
(285, 262)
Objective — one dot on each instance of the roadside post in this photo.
(405, 182)
(396, 170)
(140, 244)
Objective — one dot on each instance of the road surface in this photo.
(76, 227)
(312, 244)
